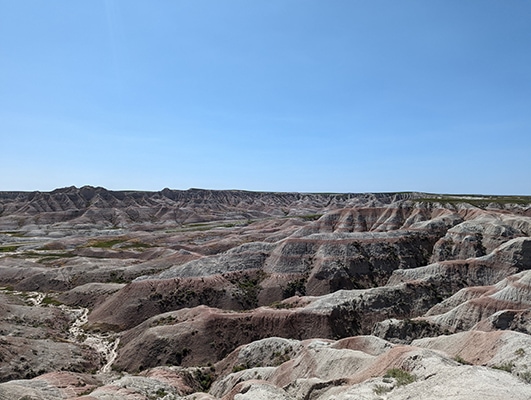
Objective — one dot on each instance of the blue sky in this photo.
(273, 95)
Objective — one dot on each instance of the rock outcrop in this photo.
(203, 294)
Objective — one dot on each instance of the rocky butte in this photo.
(203, 294)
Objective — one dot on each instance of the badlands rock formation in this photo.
(204, 294)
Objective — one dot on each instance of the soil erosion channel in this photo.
(104, 344)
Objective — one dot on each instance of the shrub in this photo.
(402, 377)
(460, 360)
(50, 301)
(519, 352)
(204, 380)
(507, 367)
(239, 367)
(297, 287)
(525, 376)
(381, 389)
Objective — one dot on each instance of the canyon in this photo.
(204, 294)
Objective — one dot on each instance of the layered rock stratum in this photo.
(203, 294)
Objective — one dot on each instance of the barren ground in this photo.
(242, 295)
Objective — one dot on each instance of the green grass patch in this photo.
(311, 217)
(402, 377)
(50, 301)
(104, 244)
(8, 249)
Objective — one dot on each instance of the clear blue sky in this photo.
(274, 95)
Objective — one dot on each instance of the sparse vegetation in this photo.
(169, 320)
(86, 392)
(297, 287)
(160, 393)
(177, 357)
(311, 217)
(248, 289)
(525, 376)
(507, 367)
(401, 376)
(204, 379)
(206, 226)
(239, 367)
(281, 305)
(475, 200)
(117, 277)
(279, 358)
(360, 255)
(381, 389)
(104, 244)
(460, 360)
(7, 249)
(50, 301)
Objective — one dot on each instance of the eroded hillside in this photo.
(242, 295)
